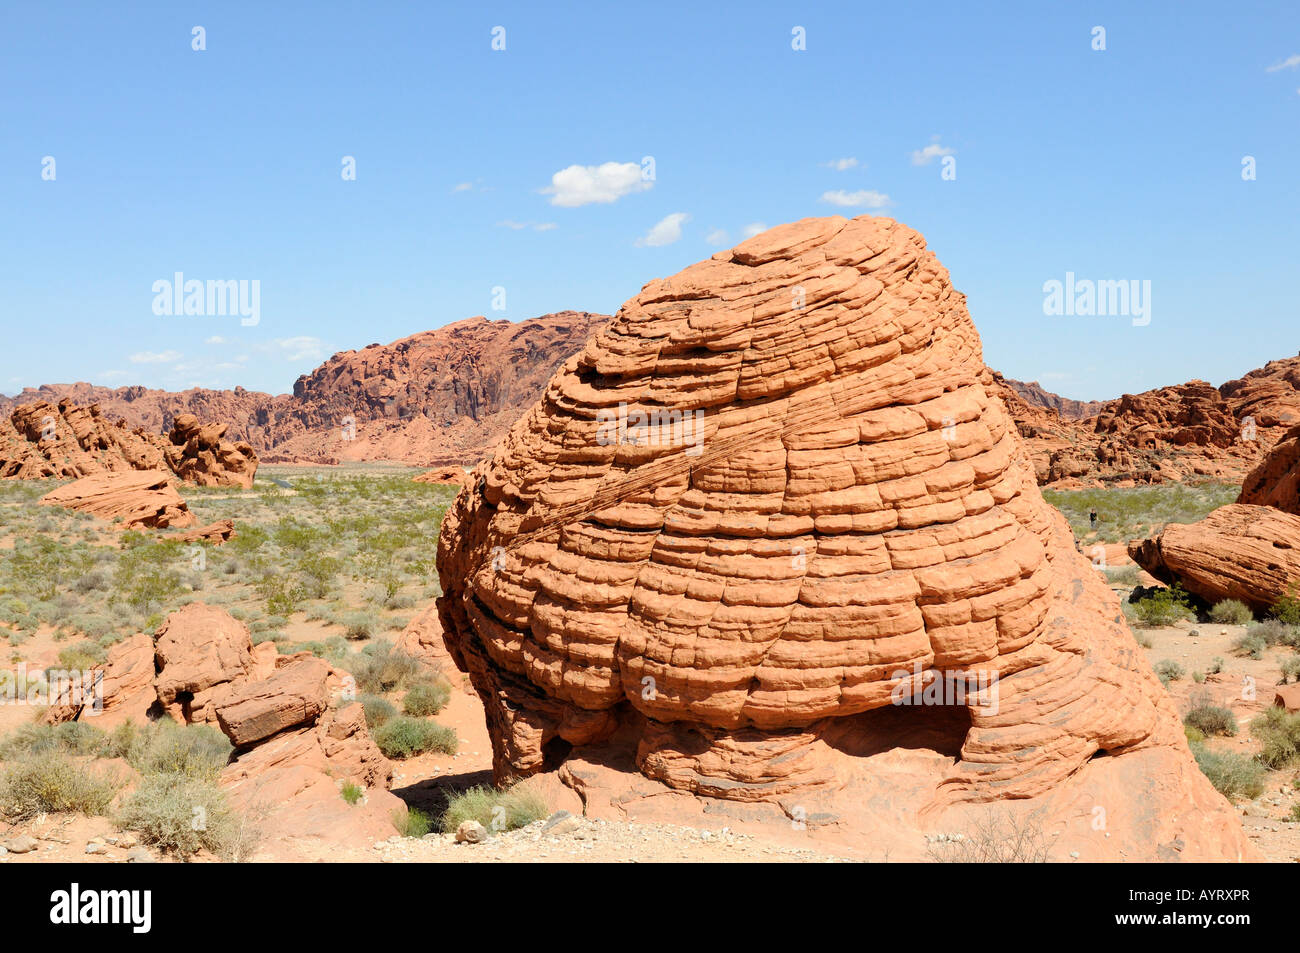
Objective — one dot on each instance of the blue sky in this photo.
(225, 163)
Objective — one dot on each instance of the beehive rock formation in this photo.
(772, 497)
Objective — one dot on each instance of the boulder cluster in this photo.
(297, 735)
(42, 440)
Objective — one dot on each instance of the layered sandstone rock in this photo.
(451, 476)
(222, 531)
(439, 397)
(132, 499)
(198, 454)
(41, 440)
(422, 639)
(1237, 552)
(774, 497)
(1276, 480)
(203, 655)
(298, 736)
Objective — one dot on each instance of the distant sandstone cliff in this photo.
(448, 396)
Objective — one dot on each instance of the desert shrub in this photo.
(1167, 670)
(412, 822)
(359, 625)
(403, 737)
(1251, 645)
(1231, 612)
(181, 814)
(1287, 609)
(1193, 734)
(997, 838)
(1212, 720)
(378, 710)
(69, 737)
(333, 649)
(498, 811)
(197, 752)
(1279, 736)
(1163, 606)
(382, 669)
(1233, 775)
(51, 782)
(427, 697)
(1274, 632)
(1291, 669)
(351, 792)
(1122, 575)
(1216, 665)
(82, 656)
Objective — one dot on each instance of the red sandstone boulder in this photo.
(293, 695)
(452, 476)
(202, 655)
(422, 639)
(776, 496)
(134, 499)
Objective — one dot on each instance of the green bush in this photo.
(403, 737)
(69, 737)
(1167, 670)
(514, 807)
(182, 815)
(197, 752)
(378, 710)
(351, 792)
(1233, 775)
(51, 782)
(1287, 609)
(412, 822)
(1279, 736)
(381, 669)
(359, 625)
(1163, 607)
(1251, 645)
(427, 697)
(1231, 612)
(1212, 720)
(1291, 669)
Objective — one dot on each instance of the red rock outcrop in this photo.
(1237, 552)
(41, 440)
(445, 396)
(198, 454)
(222, 531)
(133, 499)
(450, 476)
(773, 498)
(202, 655)
(1276, 480)
(422, 639)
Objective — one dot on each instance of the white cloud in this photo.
(155, 357)
(519, 226)
(666, 231)
(930, 152)
(463, 186)
(586, 184)
(1291, 62)
(843, 165)
(717, 237)
(752, 229)
(866, 198)
(301, 348)
(215, 339)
